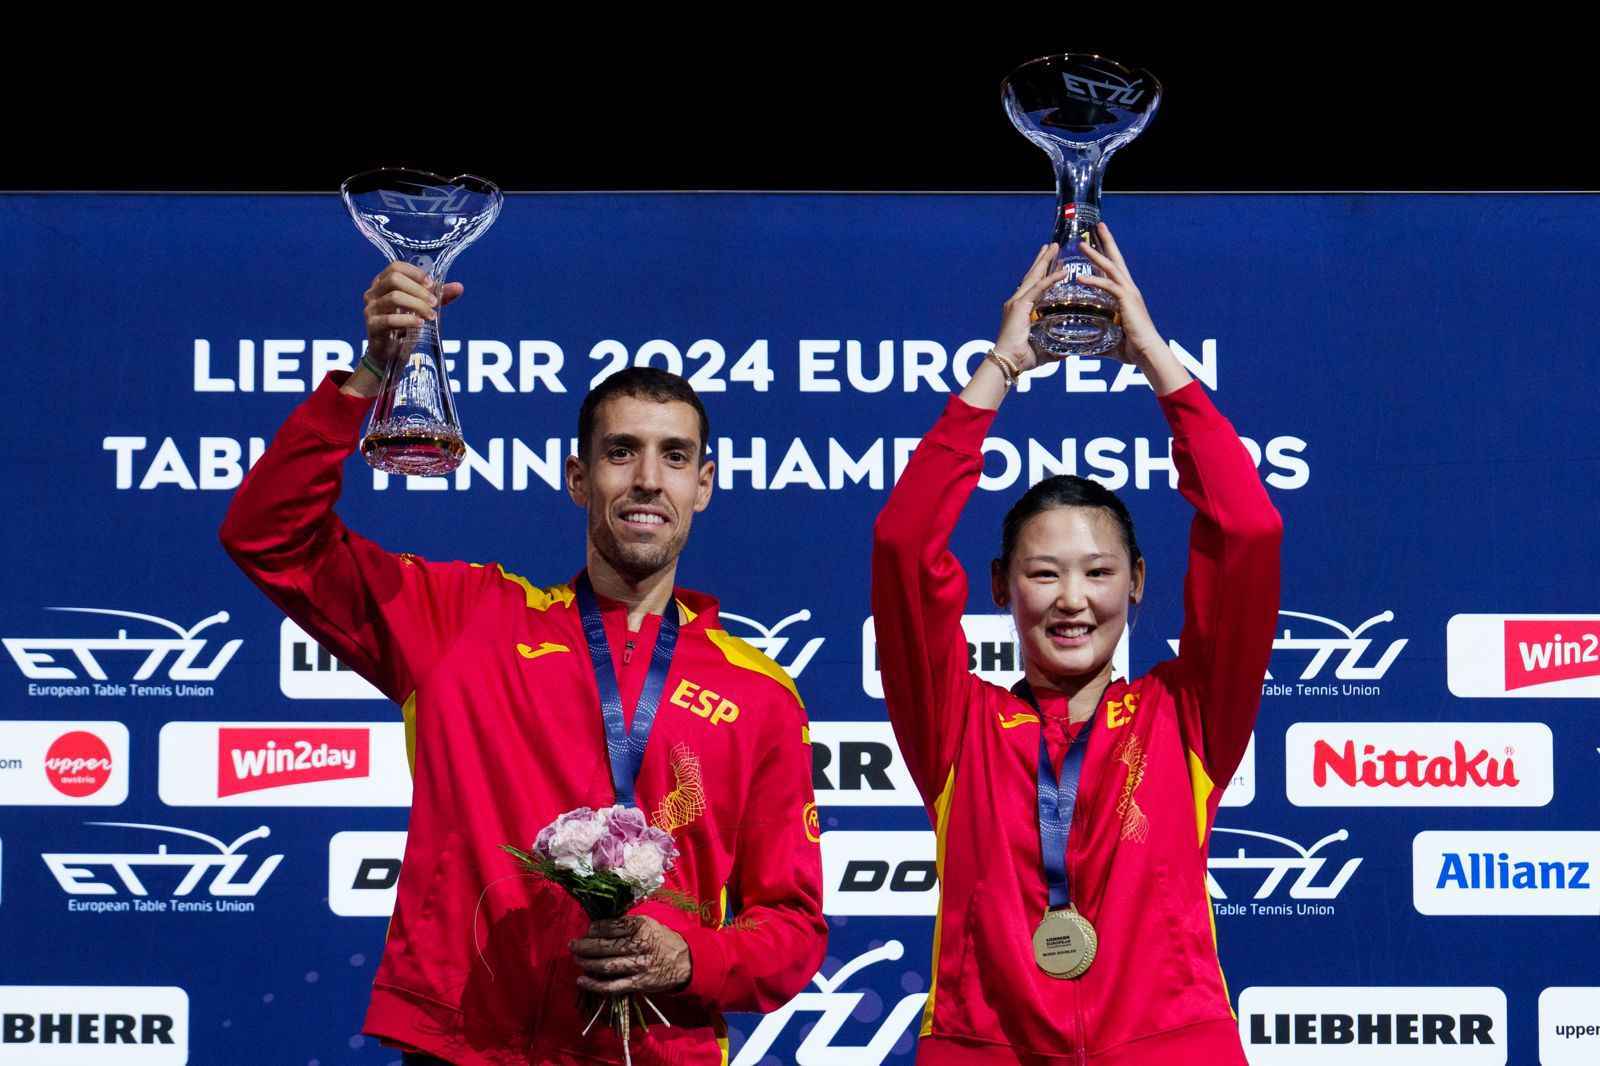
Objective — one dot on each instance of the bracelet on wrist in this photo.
(372, 365)
(1008, 369)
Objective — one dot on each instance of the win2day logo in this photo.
(1524, 656)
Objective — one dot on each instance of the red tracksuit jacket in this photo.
(503, 717)
(1154, 770)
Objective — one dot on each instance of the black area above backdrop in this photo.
(842, 117)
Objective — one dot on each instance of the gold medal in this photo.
(1065, 943)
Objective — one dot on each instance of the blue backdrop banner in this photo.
(1415, 832)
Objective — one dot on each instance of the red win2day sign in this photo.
(1524, 656)
(284, 764)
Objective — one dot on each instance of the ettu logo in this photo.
(1411, 768)
(1487, 870)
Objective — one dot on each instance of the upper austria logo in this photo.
(1569, 1026)
(1419, 764)
(78, 764)
(1524, 656)
(41, 658)
(63, 764)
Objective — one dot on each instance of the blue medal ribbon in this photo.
(624, 749)
(1058, 797)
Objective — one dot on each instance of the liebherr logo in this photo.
(1309, 896)
(1373, 1026)
(37, 658)
(836, 1007)
(75, 1025)
(769, 643)
(994, 652)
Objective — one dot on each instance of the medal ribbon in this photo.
(1058, 797)
(625, 750)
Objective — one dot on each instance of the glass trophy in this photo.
(1080, 109)
(425, 220)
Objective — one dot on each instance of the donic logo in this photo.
(772, 645)
(37, 656)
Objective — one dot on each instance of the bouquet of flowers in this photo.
(608, 860)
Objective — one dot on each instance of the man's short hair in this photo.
(640, 381)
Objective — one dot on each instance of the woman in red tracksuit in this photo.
(1095, 945)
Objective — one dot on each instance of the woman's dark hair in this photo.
(1064, 490)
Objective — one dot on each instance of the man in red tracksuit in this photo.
(502, 709)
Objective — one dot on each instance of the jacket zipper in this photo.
(627, 653)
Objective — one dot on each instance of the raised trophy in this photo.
(424, 220)
(1079, 109)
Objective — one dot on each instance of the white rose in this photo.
(643, 865)
(573, 841)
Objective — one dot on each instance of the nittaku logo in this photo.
(1450, 764)
(1353, 678)
(364, 873)
(769, 643)
(858, 764)
(1305, 863)
(36, 657)
(879, 873)
(101, 874)
(1528, 656)
(1373, 1026)
(837, 1007)
(249, 760)
(70, 1025)
(1107, 89)
(308, 671)
(1506, 873)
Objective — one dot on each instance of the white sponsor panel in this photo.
(364, 873)
(308, 671)
(994, 652)
(1334, 1026)
(284, 764)
(91, 1025)
(858, 764)
(837, 1009)
(1569, 1027)
(1242, 789)
(63, 764)
(1503, 872)
(1419, 764)
(1524, 656)
(879, 873)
